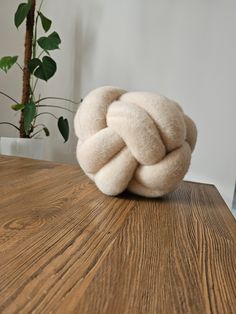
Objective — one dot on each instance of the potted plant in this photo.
(38, 65)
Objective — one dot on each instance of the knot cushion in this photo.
(139, 141)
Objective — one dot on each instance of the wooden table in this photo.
(67, 248)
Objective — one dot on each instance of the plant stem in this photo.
(40, 6)
(51, 114)
(35, 84)
(35, 31)
(20, 66)
(40, 124)
(58, 98)
(27, 57)
(11, 125)
(9, 97)
(40, 54)
(34, 50)
(52, 106)
(36, 133)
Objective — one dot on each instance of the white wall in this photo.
(183, 49)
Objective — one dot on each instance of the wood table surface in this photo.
(67, 248)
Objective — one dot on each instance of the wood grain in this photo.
(66, 248)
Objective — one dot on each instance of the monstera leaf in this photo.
(51, 42)
(63, 127)
(29, 114)
(44, 69)
(21, 13)
(46, 23)
(7, 62)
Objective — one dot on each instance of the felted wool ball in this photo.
(138, 141)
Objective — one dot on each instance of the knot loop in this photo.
(138, 141)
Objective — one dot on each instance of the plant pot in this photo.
(23, 147)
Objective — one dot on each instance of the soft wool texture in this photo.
(133, 140)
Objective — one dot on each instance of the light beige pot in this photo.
(22, 147)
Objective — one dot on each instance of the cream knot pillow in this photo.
(137, 141)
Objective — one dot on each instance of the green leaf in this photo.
(7, 62)
(63, 127)
(45, 69)
(33, 64)
(50, 43)
(29, 114)
(21, 13)
(46, 23)
(17, 107)
(46, 131)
